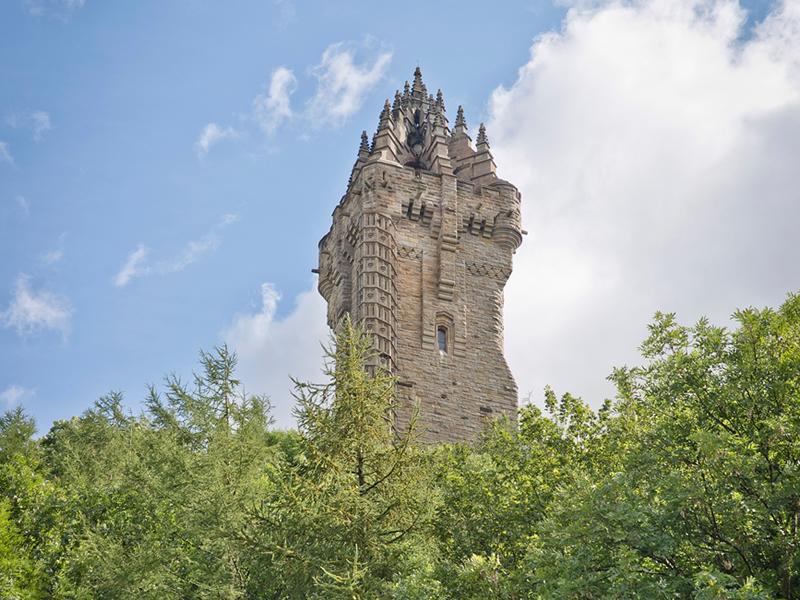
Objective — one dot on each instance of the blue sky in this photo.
(103, 164)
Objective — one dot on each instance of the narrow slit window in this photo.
(441, 338)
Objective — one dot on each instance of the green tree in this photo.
(495, 494)
(707, 492)
(20, 486)
(156, 506)
(349, 512)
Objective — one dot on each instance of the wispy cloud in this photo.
(273, 107)
(53, 256)
(342, 82)
(5, 154)
(59, 9)
(347, 71)
(23, 205)
(15, 394)
(211, 134)
(133, 267)
(33, 311)
(40, 123)
(137, 264)
(286, 13)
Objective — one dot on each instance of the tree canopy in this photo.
(685, 485)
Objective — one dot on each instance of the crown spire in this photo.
(418, 89)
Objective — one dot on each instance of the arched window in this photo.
(441, 338)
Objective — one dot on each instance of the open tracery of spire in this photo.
(413, 130)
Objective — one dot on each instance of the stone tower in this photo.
(419, 252)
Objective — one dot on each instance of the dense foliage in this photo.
(687, 485)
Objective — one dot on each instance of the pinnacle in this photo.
(364, 142)
(440, 99)
(385, 112)
(482, 139)
(460, 122)
(397, 101)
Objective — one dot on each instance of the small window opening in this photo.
(441, 338)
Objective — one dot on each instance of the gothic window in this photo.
(445, 333)
(441, 338)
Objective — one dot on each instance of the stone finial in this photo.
(440, 100)
(460, 122)
(460, 142)
(397, 101)
(418, 88)
(483, 167)
(385, 115)
(482, 139)
(364, 147)
(384, 143)
(406, 90)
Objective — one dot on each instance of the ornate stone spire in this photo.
(384, 143)
(363, 149)
(483, 167)
(460, 122)
(440, 100)
(397, 102)
(361, 159)
(482, 139)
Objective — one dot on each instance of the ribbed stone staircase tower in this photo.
(419, 252)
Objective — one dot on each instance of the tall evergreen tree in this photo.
(350, 509)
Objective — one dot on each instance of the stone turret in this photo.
(419, 252)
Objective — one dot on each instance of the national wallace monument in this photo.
(419, 252)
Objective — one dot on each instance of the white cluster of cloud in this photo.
(272, 349)
(15, 394)
(211, 134)
(137, 265)
(342, 84)
(273, 107)
(656, 148)
(33, 311)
